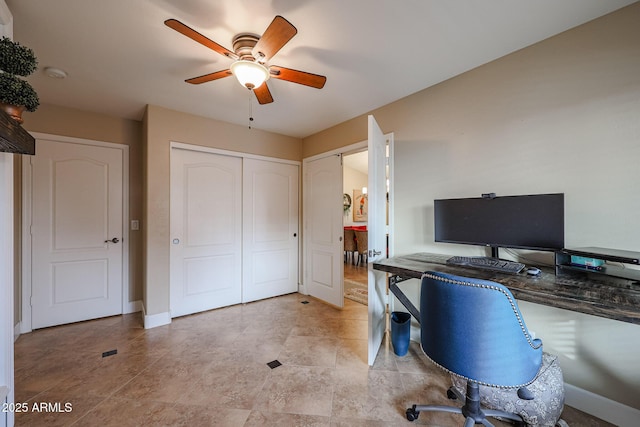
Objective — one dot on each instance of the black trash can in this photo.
(400, 332)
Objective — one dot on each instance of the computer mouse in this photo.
(532, 271)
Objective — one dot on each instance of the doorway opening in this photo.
(324, 232)
(355, 177)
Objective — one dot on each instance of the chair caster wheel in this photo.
(412, 414)
(451, 395)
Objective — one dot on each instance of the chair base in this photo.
(471, 409)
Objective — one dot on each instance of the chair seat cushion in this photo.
(547, 388)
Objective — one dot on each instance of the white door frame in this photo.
(223, 152)
(127, 307)
(7, 394)
(350, 149)
(7, 256)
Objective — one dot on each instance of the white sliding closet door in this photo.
(270, 229)
(234, 230)
(206, 231)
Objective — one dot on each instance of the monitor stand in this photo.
(494, 252)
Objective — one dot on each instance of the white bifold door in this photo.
(378, 298)
(234, 230)
(323, 229)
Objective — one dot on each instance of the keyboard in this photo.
(487, 263)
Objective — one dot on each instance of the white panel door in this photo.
(206, 231)
(77, 211)
(377, 236)
(323, 229)
(270, 229)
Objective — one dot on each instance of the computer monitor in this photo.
(526, 222)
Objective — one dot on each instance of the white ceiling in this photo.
(119, 55)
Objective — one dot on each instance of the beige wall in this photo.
(164, 126)
(347, 133)
(560, 116)
(63, 121)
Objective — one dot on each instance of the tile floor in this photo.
(210, 369)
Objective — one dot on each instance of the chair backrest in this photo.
(349, 240)
(474, 329)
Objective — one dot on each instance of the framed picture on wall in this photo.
(360, 206)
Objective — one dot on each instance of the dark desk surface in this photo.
(581, 293)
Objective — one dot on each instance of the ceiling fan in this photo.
(251, 54)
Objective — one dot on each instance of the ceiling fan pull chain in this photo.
(250, 109)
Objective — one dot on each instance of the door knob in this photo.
(114, 240)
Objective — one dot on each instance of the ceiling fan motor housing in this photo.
(243, 45)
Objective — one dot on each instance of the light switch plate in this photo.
(135, 224)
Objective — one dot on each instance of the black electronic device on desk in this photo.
(599, 261)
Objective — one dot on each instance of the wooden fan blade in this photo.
(300, 77)
(209, 77)
(263, 94)
(194, 35)
(277, 34)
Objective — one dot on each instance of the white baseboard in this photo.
(16, 331)
(132, 307)
(601, 407)
(155, 320)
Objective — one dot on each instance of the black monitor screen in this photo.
(527, 222)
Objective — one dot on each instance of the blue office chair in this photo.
(474, 330)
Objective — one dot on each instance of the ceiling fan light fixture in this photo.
(250, 74)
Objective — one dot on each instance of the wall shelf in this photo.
(13, 137)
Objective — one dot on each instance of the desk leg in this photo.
(393, 287)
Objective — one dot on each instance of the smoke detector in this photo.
(55, 73)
